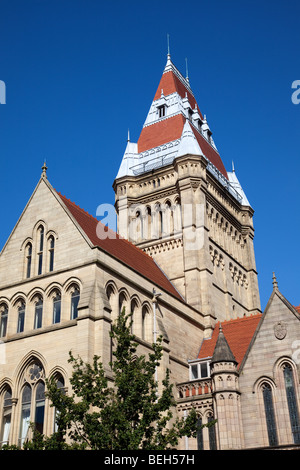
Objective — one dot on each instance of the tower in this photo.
(226, 395)
(176, 201)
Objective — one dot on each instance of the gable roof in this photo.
(238, 333)
(119, 248)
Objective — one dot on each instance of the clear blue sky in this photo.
(79, 73)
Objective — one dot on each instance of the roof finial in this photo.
(128, 136)
(187, 72)
(44, 168)
(232, 167)
(275, 283)
(168, 41)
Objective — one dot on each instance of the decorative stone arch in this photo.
(17, 297)
(37, 225)
(36, 291)
(31, 357)
(58, 371)
(51, 233)
(5, 382)
(70, 283)
(52, 289)
(25, 242)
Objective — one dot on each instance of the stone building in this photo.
(185, 232)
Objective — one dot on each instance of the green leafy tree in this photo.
(127, 415)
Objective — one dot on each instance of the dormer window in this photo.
(199, 370)
(161, 111)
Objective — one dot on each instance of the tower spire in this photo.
(187, 72)
(168, 42)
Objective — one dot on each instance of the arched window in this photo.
(39, 407)
(28, 251)
(56, 308)
(60, 384)
(133, 309)
(161, 223)
(25, 414)
(146, 328)
(3, 320)
(148, 223)
(270, 415)
(41, 249)
(122, 302)
(38, 314)
(211, 433)
(199, 434)
(21, 317)
(75, 296)
(32, 401)
(6, 417)
(51, 253)
(292, 402)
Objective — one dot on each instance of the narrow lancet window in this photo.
(28, 259)
(74, 303)
(39, 407)
(25, 414)
(51, 253)
(41, 248)
(56, 308)
(270, 415)
(21, 317)
(292, 402)
(3, 321)
(38, 317)
(6, 418)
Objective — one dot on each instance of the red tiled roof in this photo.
(171, 129)
(238, 333)
(170, 83)
(161, 132)
(298, 308)
(120, 248)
